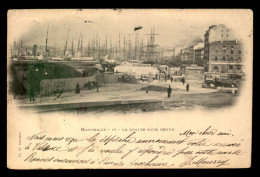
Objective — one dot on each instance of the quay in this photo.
(101, 105)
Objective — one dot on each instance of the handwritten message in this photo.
(135, 148)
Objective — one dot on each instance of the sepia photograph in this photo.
(183, 74)
(82, 64)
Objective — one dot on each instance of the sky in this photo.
(175, 27)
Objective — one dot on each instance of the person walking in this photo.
(169, 90)
(77, 91)
(183, 80)
(171, 79)
(187, 87)
(97, 88)
(31, 93)
(32, 77)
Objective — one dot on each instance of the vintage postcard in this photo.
(129, 88)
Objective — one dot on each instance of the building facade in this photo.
(222, 51)
(187, 54)
(199, 55)
(194, 72)
(219, 33)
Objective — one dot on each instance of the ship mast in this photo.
(81, 45)
(66, 42)
(88, 48)
(116, 50)
(129, 55)
(135, 46)
(119, 50)
(106, 45)
(72, 51)
(46, 43)
(110, 51)
(151, 46)
(124, 48)
(79, 49)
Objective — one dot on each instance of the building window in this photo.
(216, 51)
(230, 67)
(216, 58)
(223, 69)
(231, 58)
(239, 58)
(231, 51)
(224, 51)
(239, 52)
(238, 67)
(224, 58)
(215, 68)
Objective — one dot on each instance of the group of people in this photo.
(169, 90)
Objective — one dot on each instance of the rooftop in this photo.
(226, 42)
